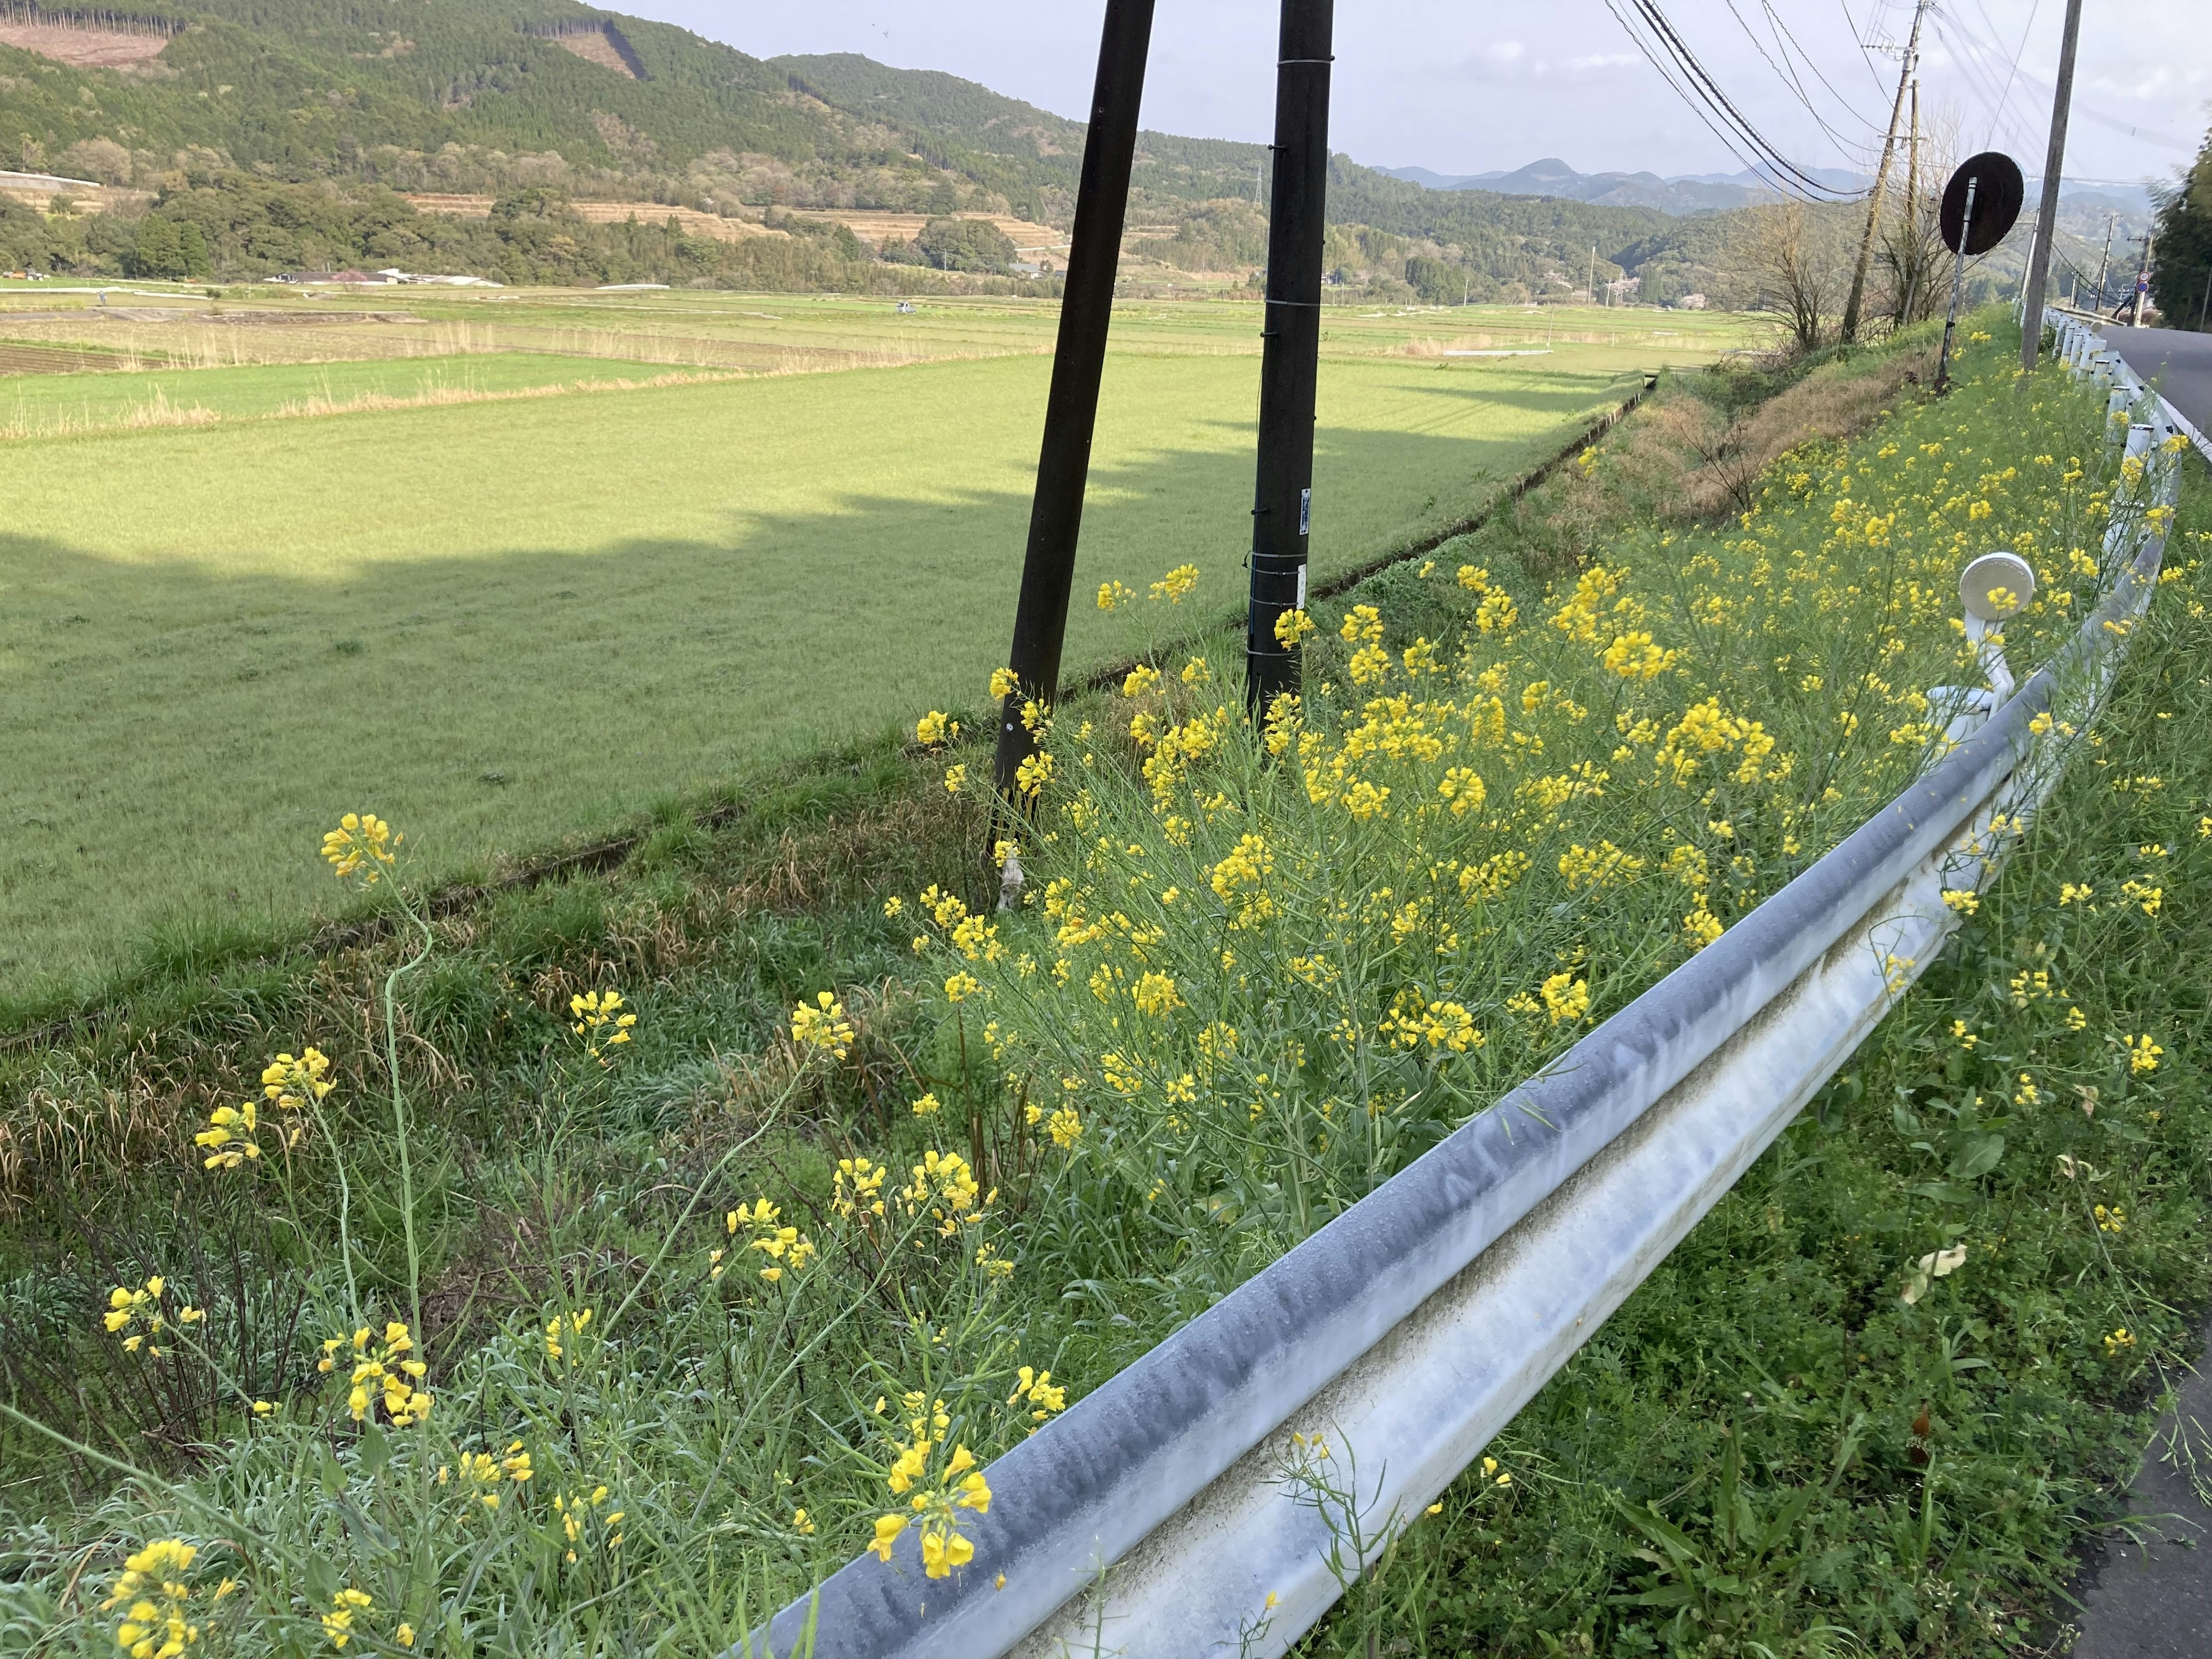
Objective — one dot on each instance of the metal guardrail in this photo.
(2083, 348)
(1158, 1519)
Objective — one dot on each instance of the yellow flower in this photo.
(820, 1027)
(338, 1623)
(138, 1312)
(1566, 997)
(382, 1373)
(290, 1083)
(927, 1106)
(1293, 628)
(601, 1023)
(562, 1332)
(1177, 584)
(1156, 995)
(229, 1136)
(2143, 1054)
(1065, 1127)
(362, 843)
(955, 777)
(1112, 595)
(154, 1625)
(934, 729)
(887, 1528)
(1003, 684)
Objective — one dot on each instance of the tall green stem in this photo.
(400, 1113)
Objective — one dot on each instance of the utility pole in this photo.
(1590, 288)
(2105, 260)
(2142, 282)
(1881, 174)
(2046, 217)
(1290, 360)
(1912, 212)
(1086, 308)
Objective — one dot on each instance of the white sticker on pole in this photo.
(1305, 512)
(1302, 588)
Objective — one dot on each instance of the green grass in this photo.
(714, 1408)
(34, 405)
(504, 623)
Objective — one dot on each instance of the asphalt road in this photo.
(2179, 362)
(2152, 1599)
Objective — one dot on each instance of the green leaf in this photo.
(375, 1450)
(1978, 1156)
(332, 1472)
(323, 1584)
(1943, 1192)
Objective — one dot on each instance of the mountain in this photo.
(251, 136)
(1552, 176)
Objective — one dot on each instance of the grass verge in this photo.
(727, 1402)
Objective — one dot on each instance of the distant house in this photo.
(1691, 302)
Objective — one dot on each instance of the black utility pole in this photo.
(2046, 219)
(1282, 503)
(2104, 263)
(1086, 307)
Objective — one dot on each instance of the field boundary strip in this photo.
(1165, 1506)
(609, 852)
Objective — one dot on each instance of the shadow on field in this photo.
(180, 737)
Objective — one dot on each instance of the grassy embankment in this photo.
(543, 1186)
(520, 621)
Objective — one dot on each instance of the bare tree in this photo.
(1912, 255)
(1798, 258)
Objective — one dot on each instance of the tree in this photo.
(1798, 260)
(2181, 254)
(967, 245)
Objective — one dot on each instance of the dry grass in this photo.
(156, 411)
(1824, 406)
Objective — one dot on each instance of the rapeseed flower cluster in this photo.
(382, 1374)
(1315, 943)
(601, 1023)
(938, 1485)
(820, 1028)
(156, 1600)
(364, 844)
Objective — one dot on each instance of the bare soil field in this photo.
(594, 47)
(83, 46)
(871, 226)
(694, 223)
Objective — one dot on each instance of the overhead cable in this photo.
(1660, 42)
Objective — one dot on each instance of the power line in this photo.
(1786, 69)
(1670, 54)
(2042, 87)
(1813, 63)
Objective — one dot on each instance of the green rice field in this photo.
(503, 621)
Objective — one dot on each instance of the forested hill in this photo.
(565, 100)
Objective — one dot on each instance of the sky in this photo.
(1479, 85)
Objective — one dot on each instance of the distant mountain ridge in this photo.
(1683, 193)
